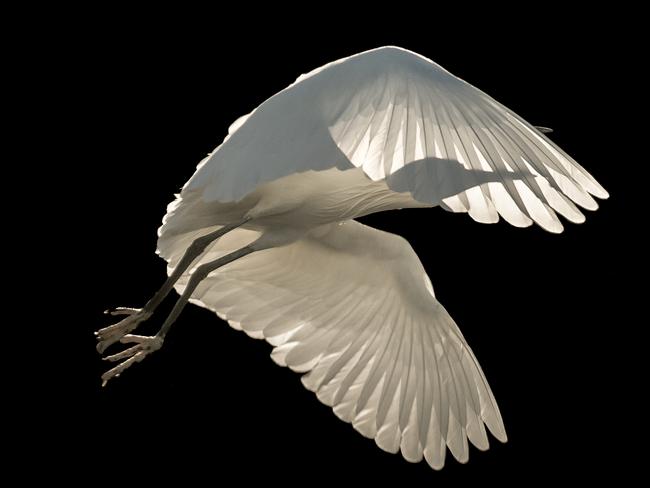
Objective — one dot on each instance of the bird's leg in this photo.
(134, 316)
(145, 345)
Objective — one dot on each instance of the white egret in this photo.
(264, 235)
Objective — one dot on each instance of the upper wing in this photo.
(353, 306)
(418, 110)
(389, 111)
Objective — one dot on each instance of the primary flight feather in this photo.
(264, 235)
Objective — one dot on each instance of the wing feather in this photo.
(352, 308)
(446, 118)
(387, 109)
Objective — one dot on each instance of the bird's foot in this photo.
(113, 333)
(144, 345)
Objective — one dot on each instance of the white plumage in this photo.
(352, 306)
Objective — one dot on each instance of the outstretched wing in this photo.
(387, 110)
(417, 110)
(353, 307)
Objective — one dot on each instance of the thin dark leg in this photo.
(135, 316)
(145, 345)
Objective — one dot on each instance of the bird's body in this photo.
(285, 209)
(264, 235)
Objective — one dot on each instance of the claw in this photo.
(122, 311)
(124, 354)
(113, 333)
(139, 339)
(144, 346)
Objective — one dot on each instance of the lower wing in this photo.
(353, 308)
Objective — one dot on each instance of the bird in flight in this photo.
(264, 234)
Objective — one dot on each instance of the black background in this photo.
(152, 93)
